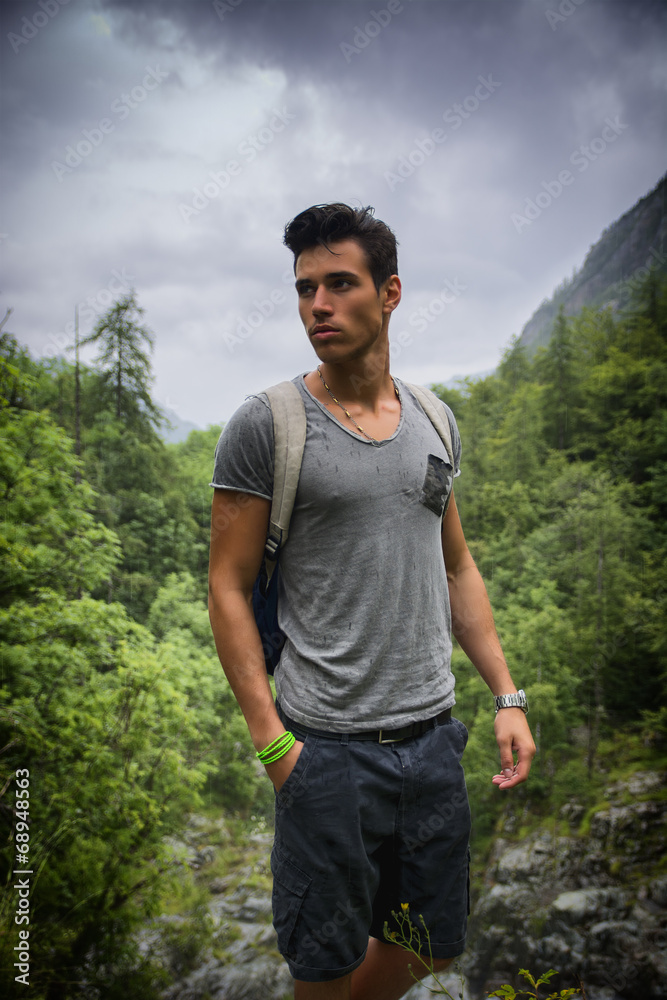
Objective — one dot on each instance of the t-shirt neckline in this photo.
(357, 437)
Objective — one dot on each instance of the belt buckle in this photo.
(380, 740)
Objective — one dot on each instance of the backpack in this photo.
(289, 438)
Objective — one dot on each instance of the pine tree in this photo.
(558, 371)
(125, 364)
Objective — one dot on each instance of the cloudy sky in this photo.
(163, 147)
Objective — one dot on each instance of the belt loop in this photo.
(344, 739)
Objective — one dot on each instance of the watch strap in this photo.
(517, 700)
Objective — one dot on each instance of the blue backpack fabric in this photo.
(265, 609)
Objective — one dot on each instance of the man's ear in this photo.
(392, 294)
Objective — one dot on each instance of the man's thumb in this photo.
(506, 761)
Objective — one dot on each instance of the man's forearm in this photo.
(474, 628)
(240, 651)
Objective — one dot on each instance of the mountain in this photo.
(626, 252)
(173, 429)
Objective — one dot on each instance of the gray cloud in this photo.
(511, 92)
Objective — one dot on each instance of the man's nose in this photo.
(321, 301)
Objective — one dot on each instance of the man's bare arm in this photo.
(475, 631)
(239, 524)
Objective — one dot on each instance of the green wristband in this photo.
(277, 749)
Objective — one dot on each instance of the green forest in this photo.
(115, 714)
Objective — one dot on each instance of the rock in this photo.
(264, 980)
(639, 783)
(450, 980)
(264, 840)
(197, 822)
(501, 901)
(572, 812)
(626, 827)
(218, 885)
(521, 863)
(575, 907)
(203, 856)
(177, 850)
(556, 948)
(221, 910)
(253, 908)
(613, 935)
(657, 891)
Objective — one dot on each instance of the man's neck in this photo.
(366, 382)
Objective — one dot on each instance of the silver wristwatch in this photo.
(517, 700)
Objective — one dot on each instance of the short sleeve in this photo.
(244, 453)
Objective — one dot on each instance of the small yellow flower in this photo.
(405, 907)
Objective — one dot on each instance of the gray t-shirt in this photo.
(363, 596)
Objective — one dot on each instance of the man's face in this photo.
(340, 307)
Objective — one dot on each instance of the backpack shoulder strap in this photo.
(433, 408)
(289, 438)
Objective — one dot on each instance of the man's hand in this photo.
(514, 737)
(281, 769)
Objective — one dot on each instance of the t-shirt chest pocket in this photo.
(437, 485)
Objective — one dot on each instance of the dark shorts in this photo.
(362, 828)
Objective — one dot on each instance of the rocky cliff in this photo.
(590, 902)
(613, 269)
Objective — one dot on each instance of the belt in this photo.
(377, 735)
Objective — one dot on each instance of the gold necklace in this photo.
(347, 412)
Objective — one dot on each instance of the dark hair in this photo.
(325, 224)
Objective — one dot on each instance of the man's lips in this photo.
(324, 332)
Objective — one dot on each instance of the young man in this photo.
(371, 808)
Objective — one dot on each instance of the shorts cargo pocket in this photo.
(290, 886)
(437, 485)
